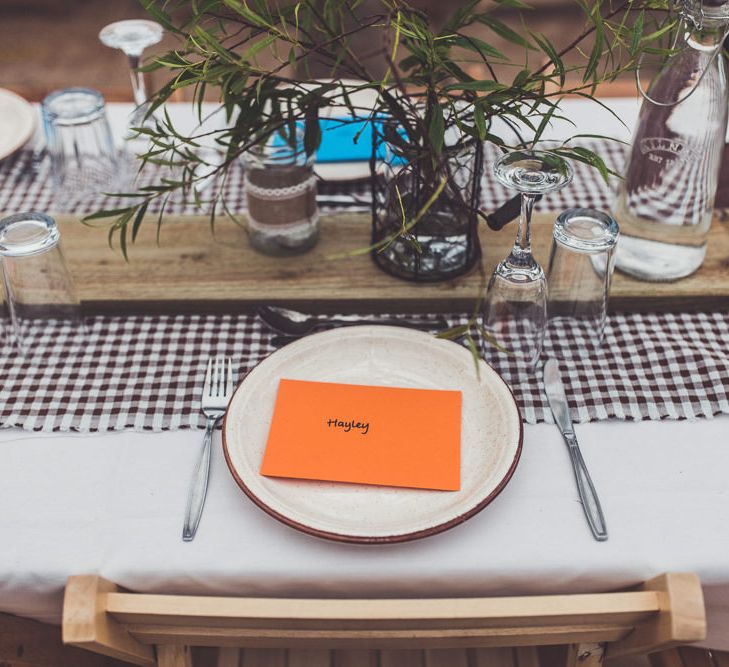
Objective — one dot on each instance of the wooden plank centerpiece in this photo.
(193, 271)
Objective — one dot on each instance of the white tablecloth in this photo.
(113, 505)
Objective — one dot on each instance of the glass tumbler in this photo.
(39, 292)
(280, 186)
(580, 266)
(83, 157)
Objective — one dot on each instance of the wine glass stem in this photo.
(138, 87)
(521, 253)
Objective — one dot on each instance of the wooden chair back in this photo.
(145, 629)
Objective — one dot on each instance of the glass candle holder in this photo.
(39, 291)
(580, 267)
(280, 186)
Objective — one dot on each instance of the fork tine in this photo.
(207, 386)
(222, 375)
(229, 384)
(219, 370)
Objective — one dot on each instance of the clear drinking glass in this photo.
(38, 286)
(515, 308)
(580, 267)
(83, 158)
(132, 36)
(280, 185)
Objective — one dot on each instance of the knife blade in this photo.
(588, 495)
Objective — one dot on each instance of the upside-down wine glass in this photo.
(515, 309)
(132, 36)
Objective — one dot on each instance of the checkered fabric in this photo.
(146, 372)
(24, 187)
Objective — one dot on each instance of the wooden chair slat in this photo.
(264, 657)
(139, 608)
(304, 658)
(662, 613)
(493, 657)
(402, 658)
(355, 658)
(441, 657)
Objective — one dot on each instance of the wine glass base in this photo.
(519, 274)
(515, 312)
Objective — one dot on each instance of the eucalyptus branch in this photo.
(625, 6)
(425, 95)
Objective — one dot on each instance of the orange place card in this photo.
(388, 436)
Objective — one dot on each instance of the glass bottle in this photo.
(665, 202)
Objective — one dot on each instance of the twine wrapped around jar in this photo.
(281, 207)
(280, 186)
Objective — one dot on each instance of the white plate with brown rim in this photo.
(491, 434)
(17, 122)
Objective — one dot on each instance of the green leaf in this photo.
(551, 53)
(244, 11)
(503, 30)
(159, 15)
(544, 123)
(609, 109)
(637, 33)
(485, 85)
(259, 46)
(651, 37)
(477, 45)
(588, 157)
(436, 128)
(109, 213)
(138, 220)
(596, 53)
(521, 78)
(514, 4)
(312, 130)
(474, 353)
(409, 62)
(480, 121)
(459, 16)
(121, 226)
(454, 332)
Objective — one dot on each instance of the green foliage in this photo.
(427, 88)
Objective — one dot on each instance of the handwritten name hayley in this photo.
(348, 426)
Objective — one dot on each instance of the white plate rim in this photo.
(376, 539)
(27, 108)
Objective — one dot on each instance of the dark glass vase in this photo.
(443, 242)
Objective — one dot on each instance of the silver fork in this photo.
(217, 390)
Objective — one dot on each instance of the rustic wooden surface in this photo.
(192, 271)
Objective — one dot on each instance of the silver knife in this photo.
(558, 403)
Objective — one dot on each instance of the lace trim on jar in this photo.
(279, 194)
(269, 227)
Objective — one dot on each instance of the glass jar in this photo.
(280, 186)
(443, 243)
(665, 203)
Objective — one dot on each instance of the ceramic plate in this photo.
(17, 122)
(342, 171)
(491, 434)
(347, 171)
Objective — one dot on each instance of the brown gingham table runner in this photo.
(146, 372)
